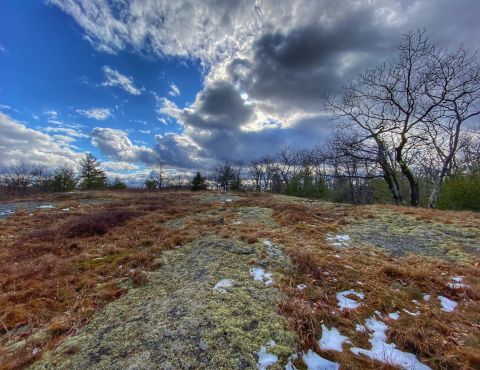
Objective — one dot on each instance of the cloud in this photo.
(266, 64)
(119, 166)
(53, 114)
(19, 143)
(115, 144)
(99, 114)
(145, 131)
(115, 78)
(3, 49)
(67, 131)
(174, 90)
(219, 105)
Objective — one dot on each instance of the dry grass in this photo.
(439, 339)
(59, 268)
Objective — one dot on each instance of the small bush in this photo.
(39, 235)
(98, 223)
(461, 193)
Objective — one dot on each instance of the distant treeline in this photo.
(400, 137)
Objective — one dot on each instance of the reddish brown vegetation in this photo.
(59, 268)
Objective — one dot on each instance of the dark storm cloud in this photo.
(177, 151)
(218, 106)
(300, 66)
(248, 145)
(285, 54)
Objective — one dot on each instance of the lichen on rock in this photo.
(178, 321)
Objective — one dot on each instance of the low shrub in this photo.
(461, 193)
(98, 223)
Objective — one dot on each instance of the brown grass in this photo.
(59, 268)
(97, 223)
(439, 339)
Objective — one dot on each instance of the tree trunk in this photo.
(414, 188)
(388, 173)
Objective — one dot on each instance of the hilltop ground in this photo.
(180, 280)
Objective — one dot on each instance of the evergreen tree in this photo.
(64, 179)
(198, 182)
(92, 176)
(150, 184)
(117, 184)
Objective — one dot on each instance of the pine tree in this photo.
(117, 184)
(93, 177)
(198, 182)
(64, 179)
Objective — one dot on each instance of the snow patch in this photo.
(316, 362)
(447, 304)
(259, 274)
(411, 313)
(394, 315)
(332, 339)
(268, 243)
(46, 206)
(426, 297)
(458, 283)
(344, 302)
(338, 240)
(301, 286)
(386, 352)
(222, 284)
(360, 328)
(266, 359)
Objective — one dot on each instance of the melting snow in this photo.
(65, 209)
(458, 283)
(224, 283)
(338, 240)
(386, 352)
(360, 328)
(266, 359)
(259, 274)
(394, 315)
(237, 222)
(301, 286)
(268, 243)
(411, 313)
(332, 339)
(426, 297)
(344, 302)
(447, 304)
(316, 362)
(46, 206)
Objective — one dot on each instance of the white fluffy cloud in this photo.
(115, 144)
(99, 114)
(19, 143)
(174, 90)
(66, 131)
(266, 61)
(115, 78)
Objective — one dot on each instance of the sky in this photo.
(192, 83)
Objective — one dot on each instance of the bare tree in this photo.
(395, 102)
(458, 74)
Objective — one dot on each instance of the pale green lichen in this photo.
(403, 234)
(179, 321)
